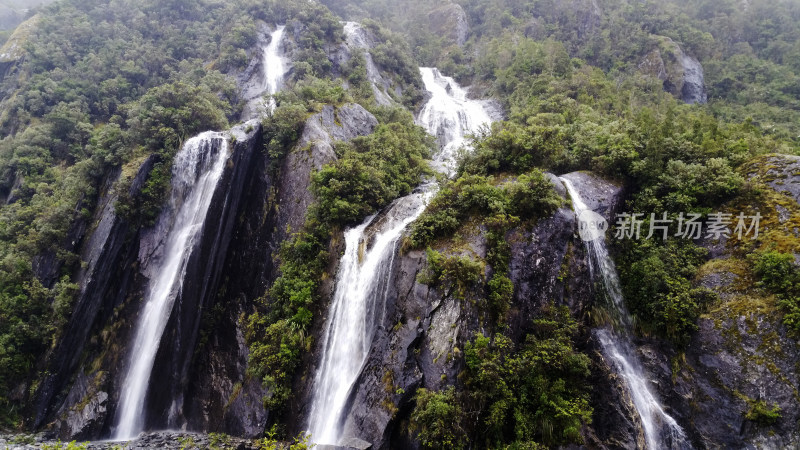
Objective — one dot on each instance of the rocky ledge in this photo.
(161, 440)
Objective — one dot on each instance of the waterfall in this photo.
(196, 171)
(268, 81)
(273, 66)
(449, 116)
(660, 430)
(365, 267)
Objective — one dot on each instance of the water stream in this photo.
(196, 171)
(660, 430)
(273, 66)
(363, 278)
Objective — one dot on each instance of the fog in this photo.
(13, 12)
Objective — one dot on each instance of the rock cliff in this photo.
(681, 73)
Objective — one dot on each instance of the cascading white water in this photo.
(660, 430)
(196, 171)
(273, 66)
(363, 275)
(360, 286)
(449, 116)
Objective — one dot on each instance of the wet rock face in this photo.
(220, 397)
(681, 73)
(13, 50)
(418, 344)
(201, 363)
(201, 281)
(108, 251)
(313, 150)
(112, 285)
(781, 175)
(741, 355)
(87, 413)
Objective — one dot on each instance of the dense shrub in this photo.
(534, 395)
(657, 285)
(779, 274)
(371, 171)
(437, 419)
(530, 196)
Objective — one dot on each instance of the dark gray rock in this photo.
(680, 72)
(87, 412)
(107, 252)
(599, 195)
(313, 150)
(419, 342)
(111, 287)
(174, 440)
(202, 278)
(741, 353)
(220, 397)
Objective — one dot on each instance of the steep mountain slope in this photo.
(490, 304)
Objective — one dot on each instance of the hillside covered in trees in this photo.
(485, 306)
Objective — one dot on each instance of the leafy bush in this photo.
(776, 270)
(657, 285)
(455, 274)
(537, 394)
(780, 275)
(534, 396)
(531, 196)
(371, 171)
(437, 419)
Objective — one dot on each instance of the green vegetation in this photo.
(530, 196)
(499, 206)
(572, 81)
(780, 275)
(104, 86)
(370, 172)
(658, 287)
(437, 418)
(163, 118)
(532, 395)
(68, 446)
(762, 414)
(300, 442)
(456, 275)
